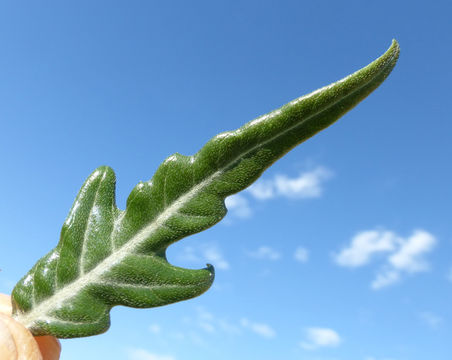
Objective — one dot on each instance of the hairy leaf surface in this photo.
(107, 256)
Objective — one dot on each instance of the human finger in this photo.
(19, 343)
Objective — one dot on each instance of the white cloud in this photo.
(141, 354)
(385, 278)
(238, 206)
(402, 255)
(301, 254)
(364, 245)
(320, 337)
(431, 319)
(306, 185)
(265, 253)
(263, 189)
(409, 256)
(261, 329)
(204, 253)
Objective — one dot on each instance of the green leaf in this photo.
(109, 257)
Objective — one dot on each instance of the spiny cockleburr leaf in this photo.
(109, 257)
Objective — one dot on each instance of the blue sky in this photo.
(340, 252)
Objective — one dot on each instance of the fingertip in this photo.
(8, 349)
(49, 346)
(20, 339)
(16, 342)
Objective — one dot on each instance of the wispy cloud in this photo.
(317, 337)
(265, 253)
(189, 336)
(431, 319)
(238, 206)
(141, 354)
(449, 275)
(204, 253)
(214, 256)
(205, 320)
(308, 184)
(206, 326)
(401, 255)
(155, 328)
(210, 323)
(261, 329)
(385, 277)
(301, 254)
(228, 327)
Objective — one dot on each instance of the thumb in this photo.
(17, 343)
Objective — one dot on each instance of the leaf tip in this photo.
(210, 268)
(393, 53)
(395, 46)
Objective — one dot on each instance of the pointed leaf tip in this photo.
(108, 257)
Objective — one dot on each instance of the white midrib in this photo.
(42, 311)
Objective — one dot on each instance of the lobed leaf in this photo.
(107, 257)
